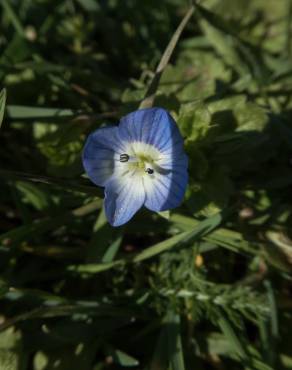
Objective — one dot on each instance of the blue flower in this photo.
(139, 162)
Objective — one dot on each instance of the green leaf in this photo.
(232, 337)
(168, 352)
(13, 16)
(12, 356)
(194, 121)
(81, 356)
(202, 229)
(33, 195)
(89, 5)
(278, 250)
(229, 103)
(225, 45)
(274, 311)
(20, 112)
(123, 359)
(2, 105)
(175, 343)
(229, 239)
(251, 117)
(112, 250)
(164, 214)
(94, 268)
(239, 54)
(218, 344)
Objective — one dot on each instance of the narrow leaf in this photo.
(148, 100)
(25, 112)
(202, 229)
(232, 337)
(2, 105)
(13, 17)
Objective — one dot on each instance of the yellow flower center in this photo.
(140, 157)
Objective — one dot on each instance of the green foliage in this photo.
(205, 286)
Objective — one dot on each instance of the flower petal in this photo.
(166, 190)
(124, 196)
(173, 161)
(101, 154)
(152, 126)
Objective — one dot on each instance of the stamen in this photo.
(124, 157)
(149, 170)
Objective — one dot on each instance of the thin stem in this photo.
(148, 100)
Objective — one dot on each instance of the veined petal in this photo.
(165, 191)
(101, 154)
(124, 196)
(174, 161)
(142, 161)
(153, 126)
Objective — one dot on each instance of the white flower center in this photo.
(140, 158)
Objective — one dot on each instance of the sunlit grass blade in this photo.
(2, 105)
(112, 250)
(202, 229)
(123, 359)
(94, 268)
(24, 112)
(229, 239)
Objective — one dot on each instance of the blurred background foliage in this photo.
(206, 287)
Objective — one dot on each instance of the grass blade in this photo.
(232, 337)
(2, 105)
(13, 17)
(25, 112)
(168, 352)
(203, 228)
(148, 100)
(175, 344)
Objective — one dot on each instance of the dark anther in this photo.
(124, 158)
(149, 170)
